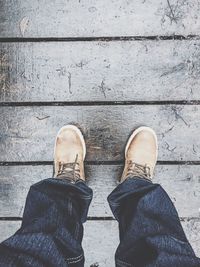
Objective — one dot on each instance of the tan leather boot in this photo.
(69, 154)
(140, 154)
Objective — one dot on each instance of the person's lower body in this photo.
(52, 231)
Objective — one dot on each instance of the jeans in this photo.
(51, 232)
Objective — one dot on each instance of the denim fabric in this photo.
(52, 231)
(150, 231)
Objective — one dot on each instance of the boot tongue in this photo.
(135, 169)
(69, 170)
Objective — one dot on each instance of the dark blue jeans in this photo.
(52, 231)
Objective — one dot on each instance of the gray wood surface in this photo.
(157, 72)
(101, 239)
(28, 133)
(180, 182)
(98, 18)
(100, 71)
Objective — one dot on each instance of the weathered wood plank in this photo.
(28, 133)
(180, 182)
(101, 239)
(98, 18)
(100, 71)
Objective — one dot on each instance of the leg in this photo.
(150, 230)
(52, 231)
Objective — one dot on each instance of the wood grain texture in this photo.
(180, 182)
(101, 239)
(28, 133)
(100, 71)
(59, 18)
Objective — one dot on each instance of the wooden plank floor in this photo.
(107, 66)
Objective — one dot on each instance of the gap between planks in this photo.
(11, 219)
(99, 103)
(99, 38)
(94, 163)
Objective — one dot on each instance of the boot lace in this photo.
(69, 170)
(138, 170)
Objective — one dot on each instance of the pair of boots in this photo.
(70, 150)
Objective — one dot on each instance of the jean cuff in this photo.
(137, 178)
